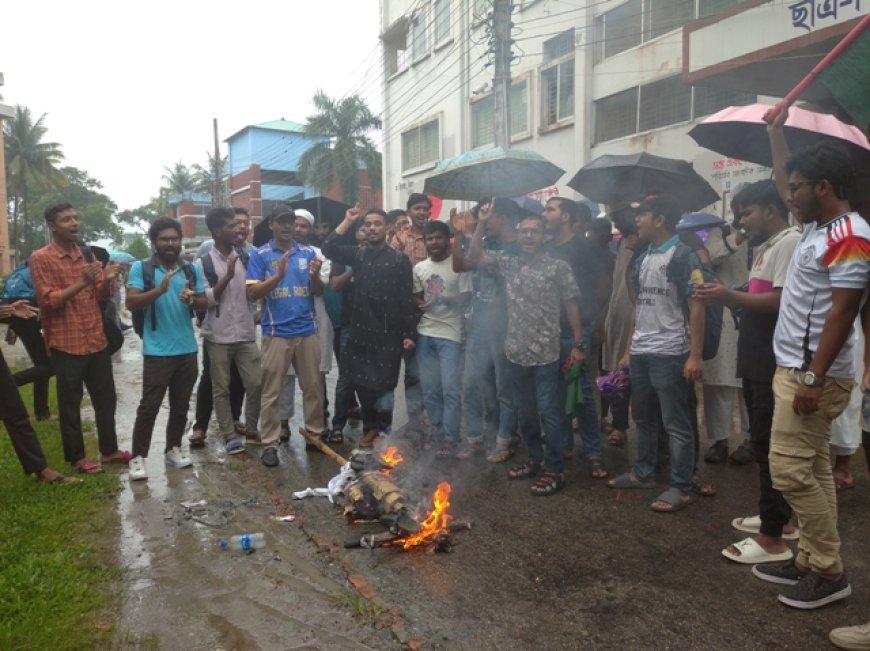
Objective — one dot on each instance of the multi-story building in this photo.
(588, 78)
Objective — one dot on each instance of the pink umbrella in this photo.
(741, 132)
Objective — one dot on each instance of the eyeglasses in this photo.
(169, 240)
(794, 187)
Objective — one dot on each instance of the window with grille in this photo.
(421, 145)
(664, 102)
(441, 21)
(663, 16)
(483, 115)
(616, 116)
(396, 51)
(559, 46)
(557, 92)
(419, 40)
(708, 100)
(620, 28)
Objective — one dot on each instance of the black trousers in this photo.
(177, 374)
(30, 333)
(205, 397)
(14, 416)
(373, 418)
(74, 373)
(775, 512)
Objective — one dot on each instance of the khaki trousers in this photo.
(246, 356)
(800, 466)
(277, 355)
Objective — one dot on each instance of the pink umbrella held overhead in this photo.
(741, 132)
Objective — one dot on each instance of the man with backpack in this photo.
(69, 289)
(665, 352)
(162, 293)
(228, 329)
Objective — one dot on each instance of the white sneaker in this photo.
(852, 637)
(178, 458)
(137, 469)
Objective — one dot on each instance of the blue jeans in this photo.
(587, 415)
(439, 379)
(661, 377)
(537, 396)
(484, 351)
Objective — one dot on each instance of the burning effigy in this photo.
(368, 490)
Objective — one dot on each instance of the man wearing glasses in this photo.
(813, 345)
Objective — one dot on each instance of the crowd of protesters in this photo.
(502, 324)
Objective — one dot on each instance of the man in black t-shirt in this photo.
(594, 274)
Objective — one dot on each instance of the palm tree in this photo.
(345, 123)
(180, 179)
(31, 166)
(211, 178)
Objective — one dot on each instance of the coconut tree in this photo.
(211, 177)
(31, 167)
(180, 179)
(343, 127)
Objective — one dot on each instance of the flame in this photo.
(435, 522)
(392, 457)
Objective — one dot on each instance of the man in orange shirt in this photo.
(68, 291)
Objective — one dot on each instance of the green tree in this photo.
(31, 170)
(96, 210)
(180, 179)
(138, 247)
(139, 218)
(346, 123)
(211, 178)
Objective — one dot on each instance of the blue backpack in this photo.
(19, 285)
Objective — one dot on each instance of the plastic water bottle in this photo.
(246, 542)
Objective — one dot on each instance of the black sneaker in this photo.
(743, 455)
(813, 591)
(270, 457)
(717, 453)
(786, 573)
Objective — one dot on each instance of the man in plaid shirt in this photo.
(68, 291)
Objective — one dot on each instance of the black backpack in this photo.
(148, 282)
(679, 273)
(211, 278)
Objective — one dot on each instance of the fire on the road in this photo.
(437, 520)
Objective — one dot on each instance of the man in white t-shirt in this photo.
(441, 294)
(765, 218)
(813, 344)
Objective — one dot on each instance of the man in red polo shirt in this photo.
(68, 291)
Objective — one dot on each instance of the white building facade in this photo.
(587, 79)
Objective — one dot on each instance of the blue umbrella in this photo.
(496, 172)
(121, 257)
(699, 221)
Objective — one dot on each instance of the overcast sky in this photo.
(129, 88)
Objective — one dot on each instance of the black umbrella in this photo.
(324, 209)
(616, 179)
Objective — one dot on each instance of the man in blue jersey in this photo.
(285, 274)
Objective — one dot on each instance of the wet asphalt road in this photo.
(588, 568)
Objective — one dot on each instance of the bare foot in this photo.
(843, 480)
(50, 476)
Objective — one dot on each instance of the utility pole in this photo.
(216, 190)
(501, 82)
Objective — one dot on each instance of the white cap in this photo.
(301, 212)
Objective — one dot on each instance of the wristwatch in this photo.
(811, 380)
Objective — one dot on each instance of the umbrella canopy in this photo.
(698, 221)
(121, 257)
(528, 205)
(324, 209)
(496, 172)
(741, 132)
(618, 178)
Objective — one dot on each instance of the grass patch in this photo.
(57, 556)
(360, 607)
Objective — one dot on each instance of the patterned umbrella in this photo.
(496, 172)
(121, 257)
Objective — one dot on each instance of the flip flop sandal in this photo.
(673, 497)
(616, 438)
(598, 471)
(751, 553)
(336, 437)
(752, 524)
(702, 488)
(500, 455)
(197, 439)
(122, 457)
(62, 479)
(88, 467)
(626, 481)
(548, 484)
(528, 469)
